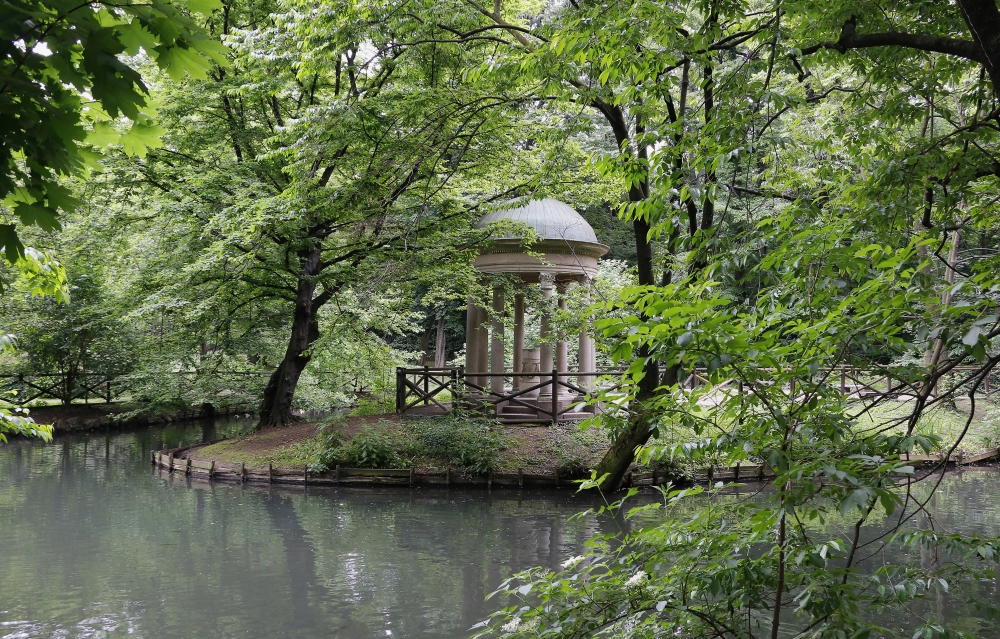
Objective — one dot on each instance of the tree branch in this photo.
(850, 39)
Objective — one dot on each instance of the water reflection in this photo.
(98, 544)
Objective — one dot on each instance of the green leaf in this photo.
(141, 138)
(135, 36)
(13, 249)
(102, 135)
(47, 218)
(972, 337)
(204, 6)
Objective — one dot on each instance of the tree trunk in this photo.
(983, 20)
(425, 343)
(440, 354)
(69, 381)
(276, 409)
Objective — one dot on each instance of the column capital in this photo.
(546, 280)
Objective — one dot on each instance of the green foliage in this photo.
(800, 199)
(16, 421)
(471, 443)
(798, 206)
(373, 447)
(63, 84)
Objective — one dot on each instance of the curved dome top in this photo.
(551, 219)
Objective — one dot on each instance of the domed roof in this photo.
(551, 219)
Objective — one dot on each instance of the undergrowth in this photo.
(468, 443)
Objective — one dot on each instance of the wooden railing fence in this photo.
(416, 386)
(426, 385)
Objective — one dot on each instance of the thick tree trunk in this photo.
(440, 352)
(276, 409)
(983, 19)
(425, 343)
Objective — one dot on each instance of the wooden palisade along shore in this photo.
(171, 461)
(339, 476)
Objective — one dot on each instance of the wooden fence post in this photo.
(843, 381)
(243, 471)
(454, 388)
(555, 397)
(336, 475)
(400, 390)
(305, 475)
(211, 469)
(427, 385)
(108, 390)
(520, 478)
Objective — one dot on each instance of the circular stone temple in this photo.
(565, 252)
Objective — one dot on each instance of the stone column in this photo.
(587, 357)
(496, 343)
(471, 317)
(562, 348)
(482, 344)
(518, 338)
(546, 281)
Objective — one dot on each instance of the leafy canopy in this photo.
(66, 82)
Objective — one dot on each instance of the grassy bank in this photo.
(424, 443)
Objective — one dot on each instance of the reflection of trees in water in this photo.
(208, 429)
(299, 556)
(422, 562)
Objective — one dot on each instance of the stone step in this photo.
(518, 410)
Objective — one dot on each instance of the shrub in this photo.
(371, 448)
(330, 444)
(473, 444)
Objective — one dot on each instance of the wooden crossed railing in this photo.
(416, 386)
(24, 387)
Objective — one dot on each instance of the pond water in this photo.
(94, 543)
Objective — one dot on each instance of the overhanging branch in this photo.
(851, 39)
